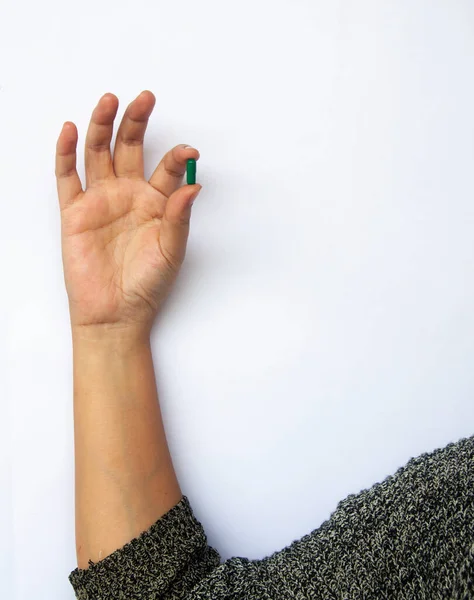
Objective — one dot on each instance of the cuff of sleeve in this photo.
(174, 547)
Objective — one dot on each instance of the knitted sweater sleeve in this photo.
(410, 536)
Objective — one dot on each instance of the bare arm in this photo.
(123, 242)
(125, 478)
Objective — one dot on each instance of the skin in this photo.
(123, 243)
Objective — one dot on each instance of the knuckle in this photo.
(171, 166)
(169, 260)
(183, 220)
(131, 141)
(98, 146)
(173, 173)
(65, 173)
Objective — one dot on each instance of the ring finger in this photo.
(128, 153)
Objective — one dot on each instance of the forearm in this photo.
(125, 478)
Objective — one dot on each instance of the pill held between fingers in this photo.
(191, 171)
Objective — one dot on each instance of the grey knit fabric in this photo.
(408, 537)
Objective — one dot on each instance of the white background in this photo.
(321, 331)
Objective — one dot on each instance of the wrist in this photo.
(107, 357)
(113, 337)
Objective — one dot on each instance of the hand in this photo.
(123, 238)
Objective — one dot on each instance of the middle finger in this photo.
(98, 160)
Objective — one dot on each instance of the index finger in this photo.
(168, 175)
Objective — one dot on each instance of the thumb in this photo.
(174, 229)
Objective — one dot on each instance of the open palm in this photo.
(123, 238)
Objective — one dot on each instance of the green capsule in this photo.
(191, 171)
